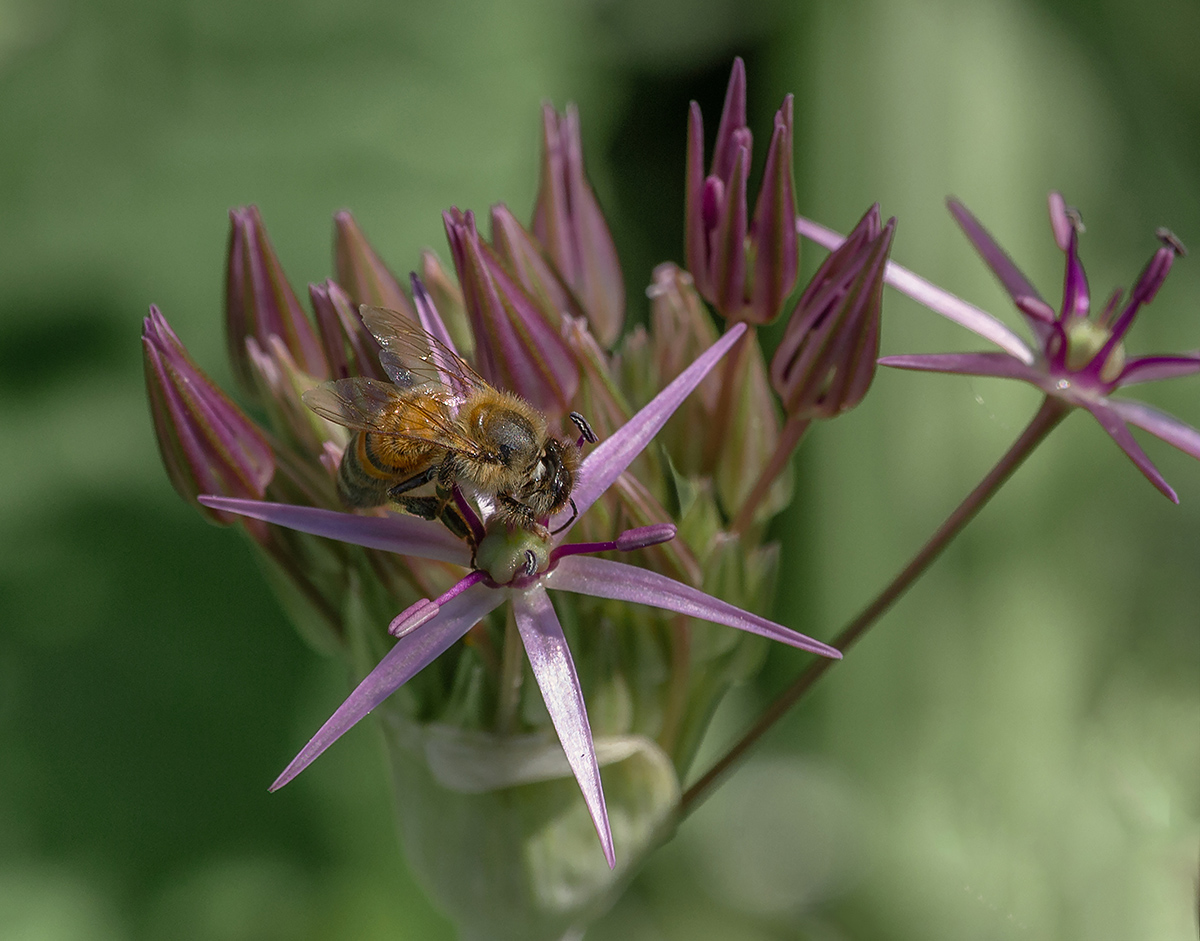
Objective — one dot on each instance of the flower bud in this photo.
(517, 249)
(448, 298)
(207, 443)
(362, 272)
(681, 329)
(260, 303)
(746, 269)
(568, 222)
(826, 360)
(349, 346)
(517, 346)
(281, 383)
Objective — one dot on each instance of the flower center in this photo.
(1085, 339)
(506, 554)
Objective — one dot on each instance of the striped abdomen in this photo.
(374, 463)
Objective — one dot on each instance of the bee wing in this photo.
(413, 357)
(369, 405)
(359, 403)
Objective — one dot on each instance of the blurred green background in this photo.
(1014, 754)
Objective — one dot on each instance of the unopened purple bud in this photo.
(744, 268)
(448, 298)
(567, 220)
(645, 536)
(518, 249)
(733, 122)
(281, 383)
(349, 346)
(826, 360)
(773, 232)
(362, 272)
(260, 303)
(207, 443)
(518, 347)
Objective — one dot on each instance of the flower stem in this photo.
(512, 672)
(1049, 415)
(793, 431)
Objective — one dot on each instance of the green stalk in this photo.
(1049, 415)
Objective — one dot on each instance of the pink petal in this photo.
(733, 119)
(1111, 421)
(993, 255)
(695, 230)
(1000, 365)
(601, 578)
(1153, 368)
(411, 654)
(776, 241)
(599, 283)
(406, 535)
(923, 292)
(1160, 424)
(606, 462)
(728, 268)
(555, 672)
(362, 272)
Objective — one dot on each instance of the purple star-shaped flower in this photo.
(428, 628)
(1078, 358)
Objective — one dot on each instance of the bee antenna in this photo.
(585, 430)
(574, 516)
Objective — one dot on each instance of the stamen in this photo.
(645, 536)
(640, 538)
(413, 617)
(1171, 240)
(474, 578)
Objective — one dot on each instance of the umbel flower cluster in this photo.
(520, 659)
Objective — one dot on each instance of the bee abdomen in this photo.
(367, 472)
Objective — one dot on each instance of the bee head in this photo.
(552, 477)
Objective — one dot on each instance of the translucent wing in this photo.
(411, 357)
(382, 409)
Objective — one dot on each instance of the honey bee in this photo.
(439, 422)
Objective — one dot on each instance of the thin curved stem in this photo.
(1049, 415)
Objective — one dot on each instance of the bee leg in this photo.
(426, 508)
(447, 471)
(413, 482)
(516, 513)
(453, 521)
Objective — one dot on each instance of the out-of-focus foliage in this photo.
(1014, 753)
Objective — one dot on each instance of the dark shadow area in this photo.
(647, 153)
(149, 699)
(47, 341)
